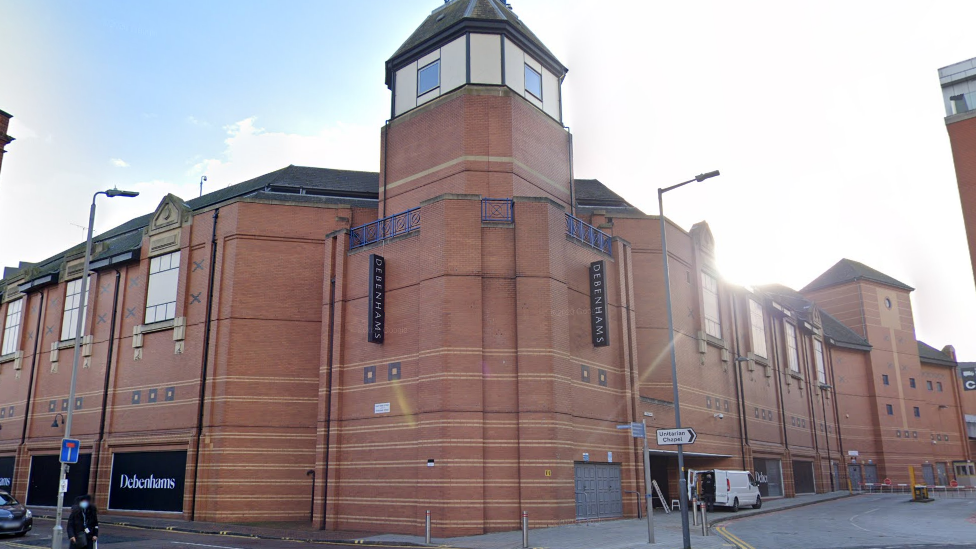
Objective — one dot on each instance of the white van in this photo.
(724, 488)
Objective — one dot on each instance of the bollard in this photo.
(525, 529)
(694, 512)
(427, 530)
(704, 508)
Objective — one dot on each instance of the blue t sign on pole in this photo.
(69, 450)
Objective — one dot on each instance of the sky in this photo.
(825, 118)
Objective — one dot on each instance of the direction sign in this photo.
(69, 450)
(686, 435)
(636, 429)
(968, 374)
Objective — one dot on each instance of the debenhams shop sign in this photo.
(148, 481)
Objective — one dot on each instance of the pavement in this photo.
(823, 521)
(618, 534)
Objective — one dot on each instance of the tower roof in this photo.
(846, 270)
(454, 17)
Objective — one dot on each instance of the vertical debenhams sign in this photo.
(598, 305)
(377, 299)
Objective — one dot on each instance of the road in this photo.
(865, 521)
(123, 537)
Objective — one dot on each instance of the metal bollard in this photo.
(525, 529)
(427, 529)
(694, 512)
(704, 508)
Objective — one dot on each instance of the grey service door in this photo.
(598, 493)
(854, 472)
(940, 469)
(928, 474)
(871, 473)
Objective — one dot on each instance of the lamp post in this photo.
(823, 404)
(111, 193)
(682, 481)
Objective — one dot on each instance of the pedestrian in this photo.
(83, 524)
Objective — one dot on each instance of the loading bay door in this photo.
(598, 492)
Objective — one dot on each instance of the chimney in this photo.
(4, 137)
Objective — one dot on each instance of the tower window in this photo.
(918, 413)
(533, 82)
(713, 323)
(884, 379)
(889, 409)
(164, 274)
(911, 382)
(428, 77)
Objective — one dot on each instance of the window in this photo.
(911, 382)
(792, 358)
(758, 329)
(11, 328)
(938, 386)
(713, 325)
(428, 77)
(818, 357)
(164, 273)
(889, 409)
(928, 385)
(918, 413)
(533, 82)
(72, 300)
(884, 379)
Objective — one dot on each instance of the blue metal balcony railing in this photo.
(388, 227)
(497, 209)
(588, 234)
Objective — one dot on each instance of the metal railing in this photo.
(388, 227)
(934, 490)
(497, 209)
(588, 234)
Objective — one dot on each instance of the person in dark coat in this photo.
(83, 523)
(708, 490)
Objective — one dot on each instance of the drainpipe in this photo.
(840, 436)
(30, 384)
(779, 383)
(386, 153)
(572, 181)
(328, 391)
(206, 359)
(739, 384)
(108, 370)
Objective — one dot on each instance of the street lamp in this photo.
(823, 404)
(682, 481)
(111, 193)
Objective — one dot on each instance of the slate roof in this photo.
(841, 335)
(833, 329)
(846, 270)
(591, 194)
(931, 355)
(306, 185)
(444, 18)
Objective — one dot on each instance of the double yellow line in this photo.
(729, 536)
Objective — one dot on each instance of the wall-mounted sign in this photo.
(598, 305)
(148, 481)
(852, 453)
(586, 456)
(381, 408)
(609, 457)
(6, 473)
(968, 374)
(376, 320)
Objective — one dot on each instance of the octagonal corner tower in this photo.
(476, 108)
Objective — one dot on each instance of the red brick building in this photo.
(959, 95)
(461, 332)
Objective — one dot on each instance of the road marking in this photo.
(205, 545)
(851, 520)
(729, 536)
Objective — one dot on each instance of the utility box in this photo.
(921, 493)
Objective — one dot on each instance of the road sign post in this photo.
(639, 430)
